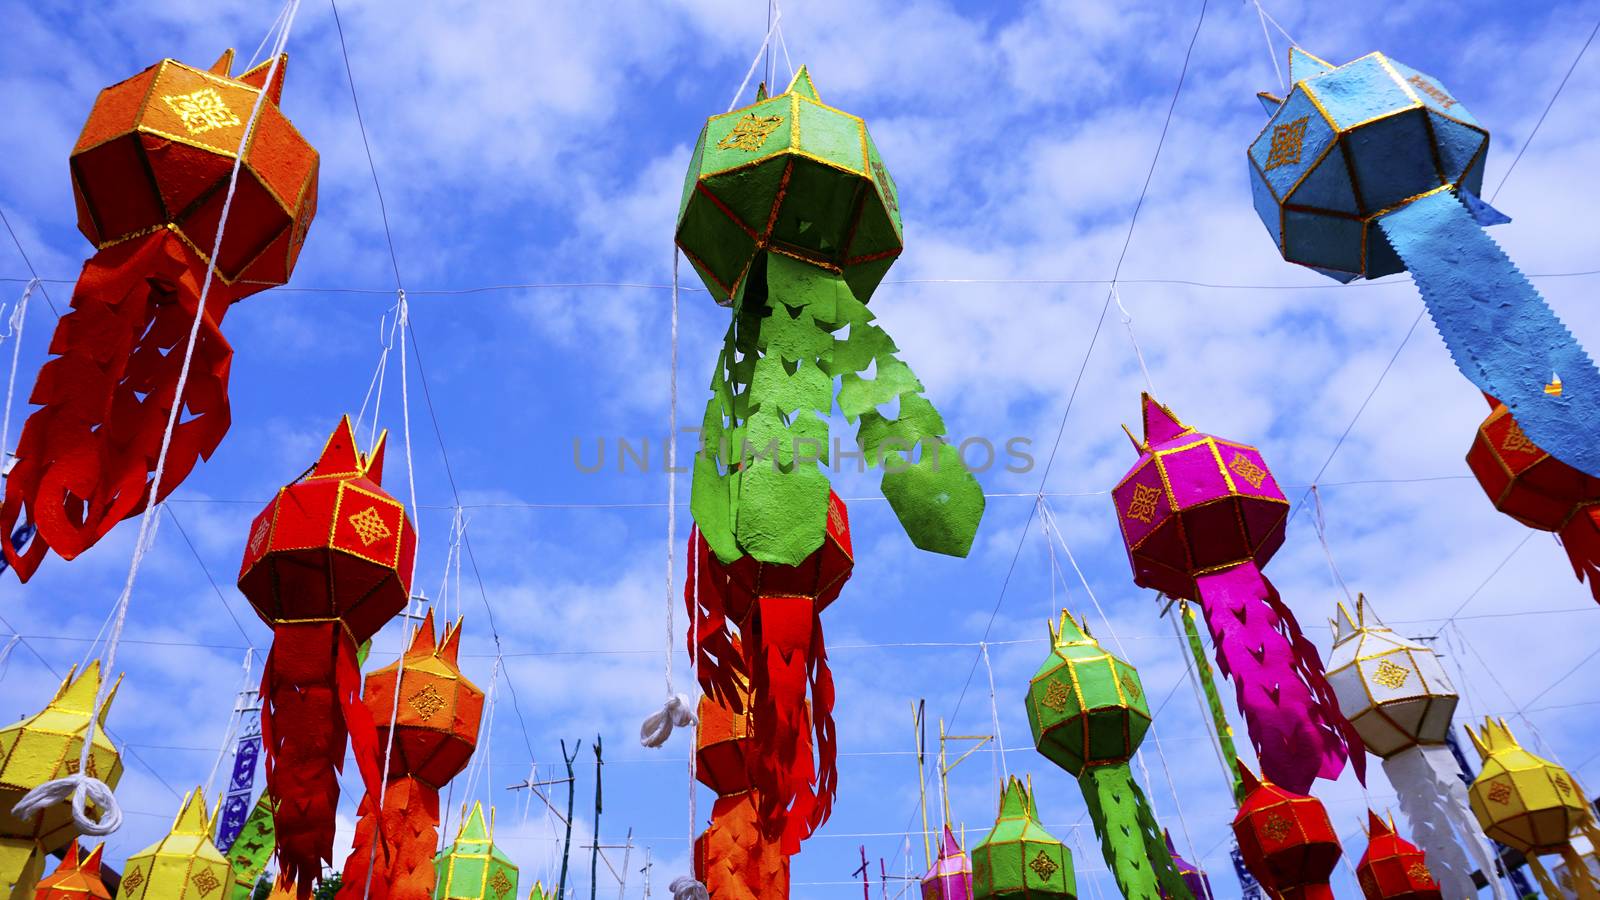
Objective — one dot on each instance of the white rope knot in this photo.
(686, 888)
(83, 789)
(675, 713)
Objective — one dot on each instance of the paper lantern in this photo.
(150, 175)
(328, 562)
(1088, 715)
(1393, 869)
(1531, 805)
(252, 849)
(473, 868)
(950, 876)
(789, 216)
(735, 857)
(76, 878)
(1396, 694)
(41, 748)
(538, 892)
(1194, 877)
(1372, 168)
(184, 865)
(776, 610)
(1200, 515)
(1286, 839)
(1538, 490)
(435, 731)
(1018, 859)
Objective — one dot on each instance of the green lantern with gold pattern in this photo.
(1018, 859)
(473, 868)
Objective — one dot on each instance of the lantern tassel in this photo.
(403, 868)
(734, 859)
(786, 654)
(1581, 539)
(312, 688)
(85, 457)
(1293, 717)
(1434, 800)
(718, 662)
(1130, 840)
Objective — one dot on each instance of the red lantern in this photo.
(1286, 839)
(1393, 868)
(435, 731)
(1538, 490)
(327, 564)
(775, 608)
(150, 173)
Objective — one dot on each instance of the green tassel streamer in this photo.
(1130, 839)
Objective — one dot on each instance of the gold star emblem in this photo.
(1517, 442)
(1142, 505)
(206, 882)
(1286, 142)
(1043, 866)
(1277, 827)
(1500, 792)
(1249, 471)
(426, 702)
(750, 132)
(369, 526)
(1419, 874)
(1562, 785)
(1390, 675)
(500, 884)
(201, 111)
(132, 880)
(1056, 696)
(1129, 685)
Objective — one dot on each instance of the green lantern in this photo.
(474, 868)
(1018, 859)
(1088, 713)
(789, 217)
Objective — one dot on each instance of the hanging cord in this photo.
(1322, 537)
(687, 887)
(1155, 737)
(678, 710)
(1127, 323)
(754, 63)
(82, 787)
(1174, 613)
(5, 654)
(1272, 53)
(375, 386)
(19, 317)
(235, 719)
(1559, 88)
(994, 713)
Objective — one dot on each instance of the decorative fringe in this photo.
(402, 866)
(734, 859)
(311, 686)
(1130, 840)
(1434, 800)
(85, 458)
(1581, 539)
(1291, 712)
(786, 654)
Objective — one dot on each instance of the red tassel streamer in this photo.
(311, 692)
(734, 859)
(1581, 539)
(402, 867)
(86, 457)
(785, 657)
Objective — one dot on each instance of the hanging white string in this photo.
(677, 711)
(376, 384)
(1272, 52)
(1173, 613)
(5, 654)
(1127, 323)
(784, 46)
(19, 317)
(994, 712)
(1322, 538)
(80, 785)
(755, 63)
(1149, 783)
(235, 719)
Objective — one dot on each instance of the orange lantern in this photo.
(77, 878)
(1286, 839)
(328, 562)
(150, 174)
(1393, 868)
(435, 731)
(734, 858)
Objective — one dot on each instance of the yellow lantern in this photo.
(41, 748)
(1531, 805)
(184, 865)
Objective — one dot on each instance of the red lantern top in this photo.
(159, 148)
(1393, 868)
(77, 878)
(436, 722)
(1286, 839)
(819, 577)
(332, 545)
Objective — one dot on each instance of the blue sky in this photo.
(545, 144)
